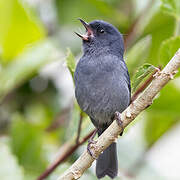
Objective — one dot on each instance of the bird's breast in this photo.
(100, 91)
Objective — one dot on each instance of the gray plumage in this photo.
(102, 85)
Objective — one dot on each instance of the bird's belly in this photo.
(100, 103)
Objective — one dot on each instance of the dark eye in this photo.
(102, 31)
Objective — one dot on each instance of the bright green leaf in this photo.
(18, 28)
(168, 49)
(171, 7)
(142, 72)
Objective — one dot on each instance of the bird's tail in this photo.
(107, 163)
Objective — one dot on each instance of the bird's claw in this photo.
(90, 143)
(117, 117)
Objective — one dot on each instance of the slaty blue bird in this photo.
(102, 84)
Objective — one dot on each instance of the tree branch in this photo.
(111, 134)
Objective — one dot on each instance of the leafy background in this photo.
(38, 111)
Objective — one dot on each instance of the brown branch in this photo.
(66, 150)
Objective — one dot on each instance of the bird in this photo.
(102, 84)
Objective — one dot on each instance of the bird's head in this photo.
(102, 36)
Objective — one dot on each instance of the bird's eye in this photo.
(102, 31)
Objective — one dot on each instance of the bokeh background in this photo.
(38, 112)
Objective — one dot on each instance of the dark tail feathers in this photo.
(107, 163)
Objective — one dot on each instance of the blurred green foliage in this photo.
(34, 122)
(70, 63)
(18, 28)
(171, 7)
(167, 49)
(27, 147)
(163, 114)
(137, 55)
(160, 27)
(25, 66)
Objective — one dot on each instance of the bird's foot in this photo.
(117, 117)
(91, 144)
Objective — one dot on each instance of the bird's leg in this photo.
(91, 141)
(117, 117)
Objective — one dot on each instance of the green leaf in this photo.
(168, 49)
(161, 27)
(138, 54)
(10, 168)
(70, 61)
(18, 28)
(142, 72)
(26, 65)
(26, 143)
(168, 100)
(156, 125)
(172, 7)
(163, 113)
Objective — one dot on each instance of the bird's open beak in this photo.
(89, 31)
